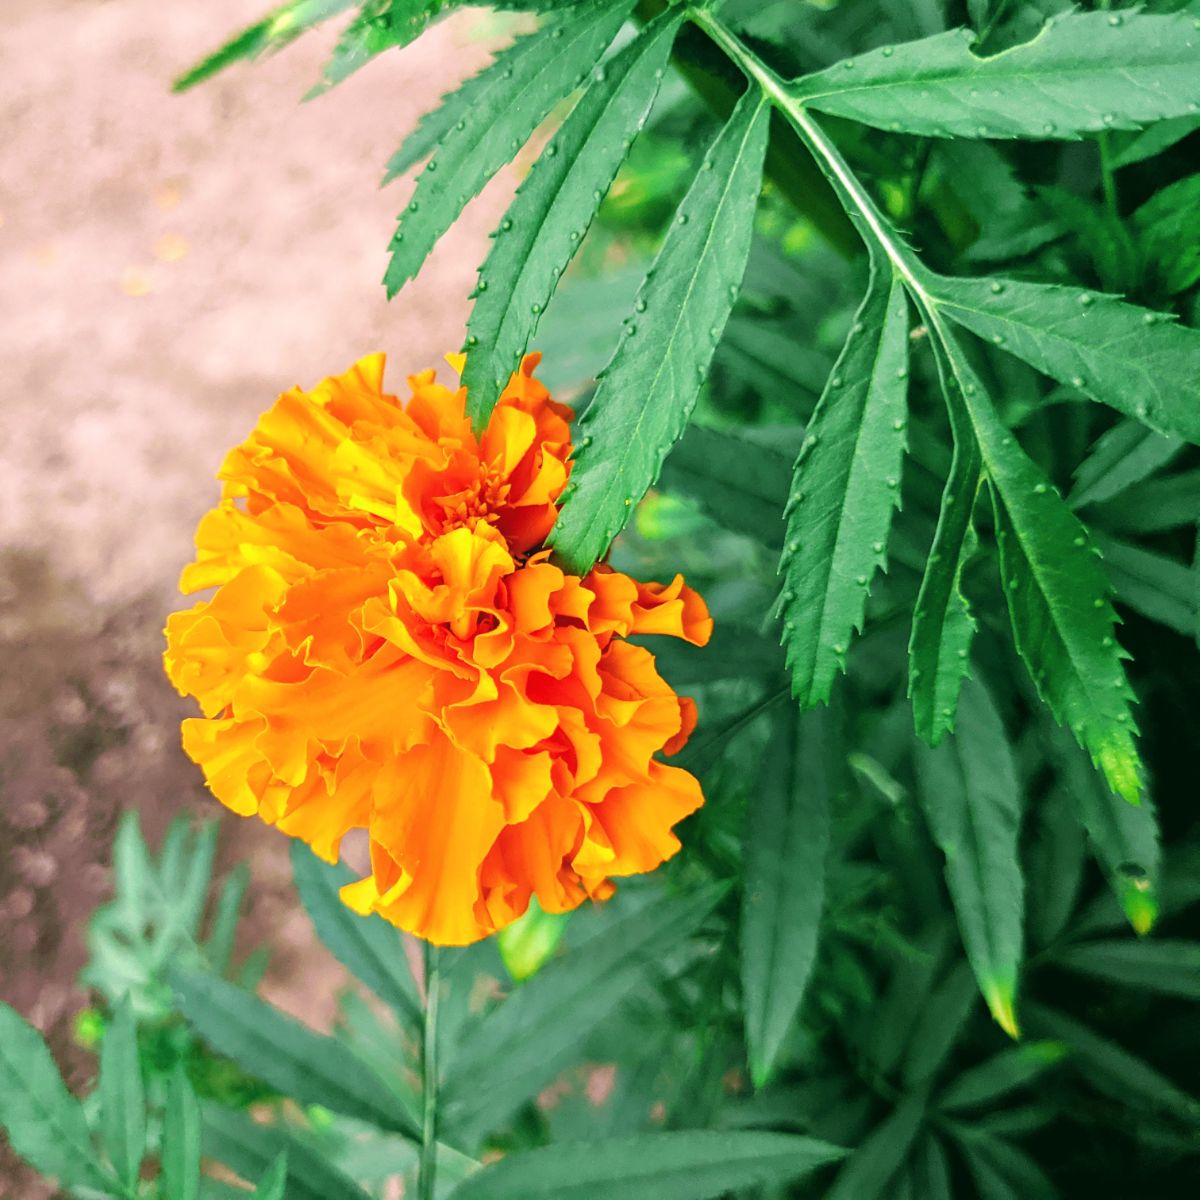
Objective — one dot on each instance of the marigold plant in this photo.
(389, 648)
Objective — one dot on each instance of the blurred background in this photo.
(168, 265)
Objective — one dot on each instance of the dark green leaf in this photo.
(1000, 1170)
(1001, 1075)
(518, 97)
(691, 1165)
(1123, 456)
(1167, 223)
(308, 1066)
(1155, 140)
(552, 211)
(1171, 968)
(875, 1163)
(971, 798)
(122, 1096)
(844, 491)
(647, 391)
(1140, 362)
(368, 947)
(941, 1020)
(1158, 587)
(787, 837)
(1153, 506)
(273, 32)
(524, 1043)
(43, 1121)
(179, 1169)
(1059, 85)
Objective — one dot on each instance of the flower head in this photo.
(389, 649)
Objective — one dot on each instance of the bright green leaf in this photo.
(688, 1165)
(518, 97)
(786, 840)
(845, 489)
(552, 210)
(1059, 85)
(273, 1185)
(122, 1095)
(1140, 362)
(43, 1121)
(530, 941)
(647, 391)
(971, 798)
(381, 25)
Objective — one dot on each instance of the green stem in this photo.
(429, 1073)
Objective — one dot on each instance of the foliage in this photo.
(900, 316)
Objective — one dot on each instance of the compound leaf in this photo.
(552, 210)
(646, 393)
(845, 489)
(1059, 85)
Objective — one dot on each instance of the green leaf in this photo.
(1059, 85)
(252, 1149)
(647, 391)
(1121, 457)
(943, 627)
(1001, 1075)
(553, 208)
(845, 488)
(122, 1096)
(179, 1169)
(1158, 587)
(1155, 140)
(1124, 837)
(368, 947)
(219, 947)
(1000, 1170)
(308, 1066)
(1138, 361)
(516, 99)
(273, 32)
(739, 480)
(875, 1163)
(689, 1165)
(1166, 224)
(530, 941)
(941, 1021)
(524, 1043)
(1170, 968)
(43, 1121)
(930, 1172)
(381, 25)
(1153, 506)
(972, 801)
(273, 1185)
(1112, 1069)
(786, 841)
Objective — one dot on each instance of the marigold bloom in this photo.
(388, 648)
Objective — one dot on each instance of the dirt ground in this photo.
(168, 264)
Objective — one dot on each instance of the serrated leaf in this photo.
(688, 1165)
(1168, 967)
(1124, 455)
(943, 627)
(1001, 1075)
(1124, 837)
(43, 1121)
(553, 208)
(368, 947)
(179, 1167)
(122, 1096)
(1138, 361)
(786, 841)
(307, 1066)
(498, 1065)
(1059, 85)
(874, 1164)
(646, 393)
(845, 489)
(738, 479)
(281, 27)
(972, 801)
(554, 61)
(251, 1149)
(1156, 586)
(1057, 594)
(380, 25)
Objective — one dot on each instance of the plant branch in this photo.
(427, 1171)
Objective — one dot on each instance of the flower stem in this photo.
(427, 1172)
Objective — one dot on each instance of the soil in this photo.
(168, 264)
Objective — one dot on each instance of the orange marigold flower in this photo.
(389, 649)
